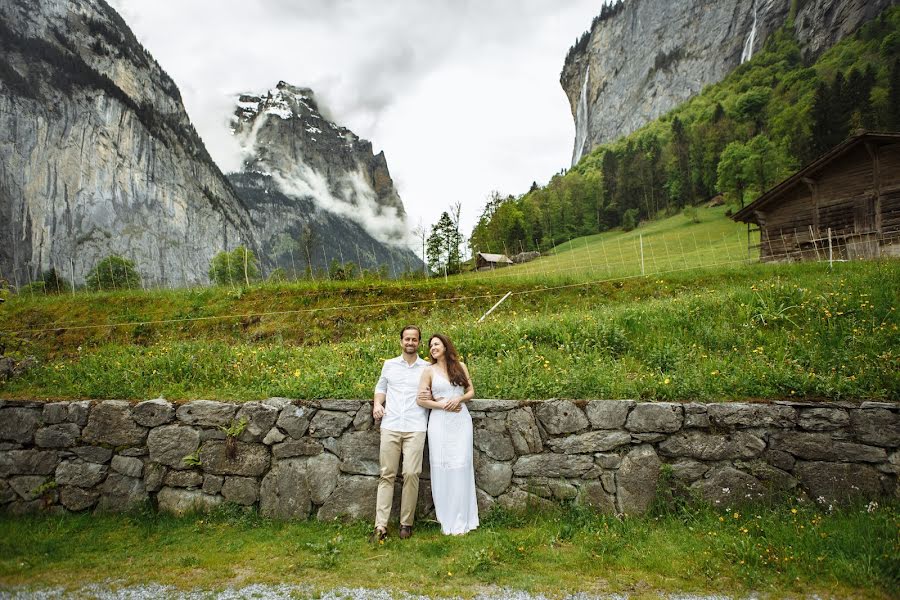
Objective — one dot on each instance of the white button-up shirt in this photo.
(399, 382)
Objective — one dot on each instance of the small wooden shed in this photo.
(486, 262)
(845, 204)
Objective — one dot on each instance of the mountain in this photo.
(315, 190)
(642, 58)
(98, 156)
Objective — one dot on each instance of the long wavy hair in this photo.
(455, 372)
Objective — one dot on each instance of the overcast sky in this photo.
(462, 96)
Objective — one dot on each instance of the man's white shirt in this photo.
(399, 382)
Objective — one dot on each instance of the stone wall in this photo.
(296, 459)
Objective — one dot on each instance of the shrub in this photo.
(691, 214)
(629, 219)
(233, 268)
(113, 273)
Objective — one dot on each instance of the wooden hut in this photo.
(486, 262)
(845, 204)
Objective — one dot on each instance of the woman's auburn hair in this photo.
(455, 372)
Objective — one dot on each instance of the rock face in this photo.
(97, 153)
(645, 57)
(315, 190)
(618, 457)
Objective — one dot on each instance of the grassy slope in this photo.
(789, 550)
(683, 332)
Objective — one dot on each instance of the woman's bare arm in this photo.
(424, 397)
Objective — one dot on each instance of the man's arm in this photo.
(380, 395)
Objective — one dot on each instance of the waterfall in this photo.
(581, 120)
(747, 53)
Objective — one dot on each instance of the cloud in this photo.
(462, 95)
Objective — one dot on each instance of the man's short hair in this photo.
(408, 327)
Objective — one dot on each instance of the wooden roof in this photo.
(746, 215)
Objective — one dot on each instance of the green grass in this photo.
(790, 549)
(735, 331)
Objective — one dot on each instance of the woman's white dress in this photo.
(450, 458)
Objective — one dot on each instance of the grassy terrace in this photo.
(581, 323)
(794, 549)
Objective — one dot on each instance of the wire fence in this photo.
(577, 264)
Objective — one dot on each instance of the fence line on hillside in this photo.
(655, 272)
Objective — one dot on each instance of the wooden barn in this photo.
(843, 205)
(486, 262)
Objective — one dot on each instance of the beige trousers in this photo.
(409, 444)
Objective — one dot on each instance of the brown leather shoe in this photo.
(378, 535)
(405, 532)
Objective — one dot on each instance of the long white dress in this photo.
(450, 458)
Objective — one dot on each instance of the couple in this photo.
(407, 389)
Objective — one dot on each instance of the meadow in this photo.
(798, 548)
(692, 321)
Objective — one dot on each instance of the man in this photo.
(403, 427)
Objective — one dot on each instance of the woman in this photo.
(445, 387)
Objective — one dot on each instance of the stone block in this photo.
(240, 490)
(822, 447)
(7, 494)
(523, 431)
(636, 480)
(823, 419)
(183, 479)
(28, 487)
(251, 460)
(55, 412)
(553, 465)
(563, 490)
(485, 502)
(179, 501)
(301, 447)
(284, 492)
(170, 444)
(206, 413)
(132, 467)
(493, 477)
(94, 454)
(695, 415)
(608, 414)
(516, 499)
(260, 419)
(710, 446)
(153, 413)
(61, 435)
(327, 423)
(341, 405)
(274, 436)
(79, 412)
(738, 415)
(590, 442)
(111, 423)
(593, 494)
(28, 462)
(655, 417)
(687, 469)
(497, 445)
(77, 499)
(212, 484)
(322, 474)
(363, 421)
(561, 416)
(120, 493)
(294, 420)
(838, 482)
(154, 473)
(726, 486)
(359, 452)
(353, 498)
(80, 474)
(607, 461)
(490, 405)
(19, 424)
(876, 426)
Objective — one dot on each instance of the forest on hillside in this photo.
(738, 137)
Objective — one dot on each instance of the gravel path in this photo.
(282, 592)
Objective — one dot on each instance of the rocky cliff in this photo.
(97, 154)
(315, 190)
(641, 58)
